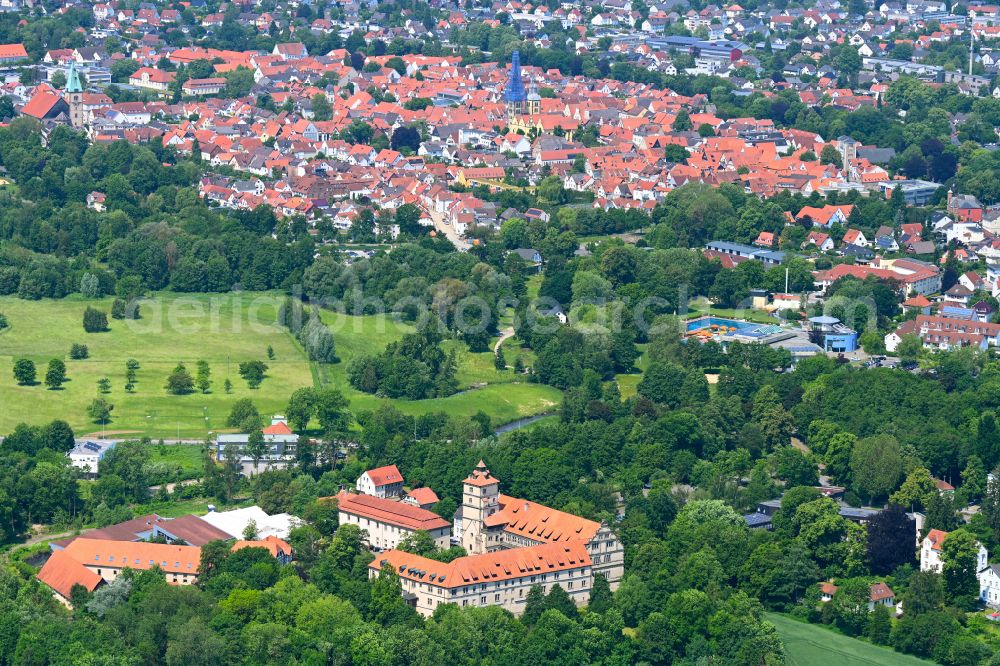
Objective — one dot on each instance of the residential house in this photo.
(381, 482)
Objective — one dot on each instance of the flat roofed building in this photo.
(388, 522)
(498, 578)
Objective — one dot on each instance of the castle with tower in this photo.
(489, 521)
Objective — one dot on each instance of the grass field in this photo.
(811, 645)
(224, 330)
(504, 398)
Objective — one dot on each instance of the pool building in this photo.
(832, 335)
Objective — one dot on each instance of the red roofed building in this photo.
(45, 105)
(12, 53)
(387, 522)
(491, 521)
(280, 549)
(499, 578)
(152, 79)
(381, 482)
(61, 573)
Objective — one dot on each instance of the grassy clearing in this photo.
(187, 456)
(701, 306)
(504, 398)
(223, 329)
(809, 645)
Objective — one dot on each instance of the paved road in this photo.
(449, 232)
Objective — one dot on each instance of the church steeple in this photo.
(513, 94)
(74, 97)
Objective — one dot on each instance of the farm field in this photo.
(217, 328)
(811, 645)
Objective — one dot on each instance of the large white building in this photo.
(387, 522)
(498, 578)
(492, 521)
(513, 544)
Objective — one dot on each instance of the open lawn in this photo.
(701, 306)
(223, 329)
(811, 645)
(504, 397)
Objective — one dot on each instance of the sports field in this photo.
(812, 645)
(223, 329)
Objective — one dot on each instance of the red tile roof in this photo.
(488, 567)
(540, 523)
(383, 476)
(272, 544)
(390, 512)
(62, 572)
(41, 104)
(135, 555)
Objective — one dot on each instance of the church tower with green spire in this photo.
(74, 97)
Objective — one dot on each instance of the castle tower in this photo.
(480, 500)
(74, 97)
(513, 94)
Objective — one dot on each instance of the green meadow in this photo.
(223, 329)
(812, 645)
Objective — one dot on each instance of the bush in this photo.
(94, 320)
(3, 321)
(118, 309)
(78, 351)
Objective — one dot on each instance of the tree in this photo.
(909, 348)
(179, 381)
(100, 410)
(256, 446)
(601, 599)
(558, 599)
(94, 320)
(876, 465)
(24, 371)
(104, 385)
(850, 606)
(203, 381)
(879, 625)
(78, 352)
(890, 540)
(90, 286)
(499, 362)
(534, 605)
(253, 372)
(959, 557)
(301, 407)
(924, 593)
(682, 122)
(55, 376)
(916, 489)
(321, 108)
(243, 414)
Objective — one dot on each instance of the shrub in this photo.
(94, 320)
(78, 351)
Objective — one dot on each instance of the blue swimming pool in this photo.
(747, 328)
